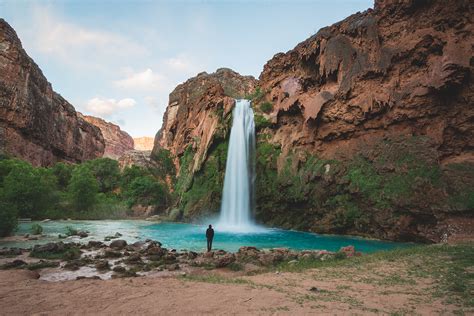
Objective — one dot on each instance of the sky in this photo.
(119, 59)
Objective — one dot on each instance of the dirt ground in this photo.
(377, 289)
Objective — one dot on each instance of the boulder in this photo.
(53, 247)
(102, 265)
(118, 244)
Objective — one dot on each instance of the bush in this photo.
(70, 231)
(36, 229)
(261, 122)
(83, 189)
(8, 219)
(165, 163)
(146, 191)
(266, 107)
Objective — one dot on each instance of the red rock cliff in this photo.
(404, 68)
(36, 123)
(365, 128)
(117, 142)
(197, 109)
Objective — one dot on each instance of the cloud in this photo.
(105, 107)
(66, 40)
(146, 80)
(181, 63)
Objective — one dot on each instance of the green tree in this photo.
(8, 218)
(83, 189)
(63, 173)
(107, 173)
(31, 191)
(146, 191)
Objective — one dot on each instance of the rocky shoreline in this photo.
(60, 261)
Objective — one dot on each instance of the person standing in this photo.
(209, 237)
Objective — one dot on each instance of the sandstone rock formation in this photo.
(117, 142)
(197, 109)
(141, 158)
(404, 68)
(143, 143)
(36, 123)
(364, 128)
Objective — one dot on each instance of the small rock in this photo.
(314, 289)
(26, 235)
(173, 267)
(117, 234)
(95, 244)
(118, 244)
(102, 265)
(82, 234)
(119, 269)
(112, 254)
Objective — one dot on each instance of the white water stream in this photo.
(238, 197)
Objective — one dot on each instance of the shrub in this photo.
(36, 229)
(266, 107)
(70, 231)
(146, 191)
(261, 122)
(8, 219)
(165, 163)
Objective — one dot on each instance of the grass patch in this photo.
(215, 279)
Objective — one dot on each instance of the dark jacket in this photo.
(210, 233)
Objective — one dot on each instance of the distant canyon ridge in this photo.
(365, 128)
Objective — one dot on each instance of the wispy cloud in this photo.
(69, 41)
(145, 80)
(106, 107)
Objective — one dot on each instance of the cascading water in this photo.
(238, 196)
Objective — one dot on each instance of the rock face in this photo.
(196, 109)
(141, 158)
(400, 69)
(195, 125)
(143, 143)
(364, 128)
(36, 123)
(117, 142)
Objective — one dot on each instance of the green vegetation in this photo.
(266, 107)
(383, 184)
(83, 189)
(449, 266)
(66, 254)
(8, 218)
(261, 122)
(96, 189)
(36, 229)
(205, 190)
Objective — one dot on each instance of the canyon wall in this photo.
(143, 143)
(364, 128)
(36, 123)
(117, 142)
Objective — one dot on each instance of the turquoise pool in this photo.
(192, 237)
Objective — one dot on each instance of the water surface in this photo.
(192, 237)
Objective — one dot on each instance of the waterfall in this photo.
(238, 196)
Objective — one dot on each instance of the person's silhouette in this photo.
(209, 237)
